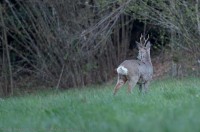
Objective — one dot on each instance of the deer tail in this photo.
(122, 70)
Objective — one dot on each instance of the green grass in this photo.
(169, 106)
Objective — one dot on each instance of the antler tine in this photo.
(141, 38)
(146, 39)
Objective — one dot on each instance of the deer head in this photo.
(144, 49)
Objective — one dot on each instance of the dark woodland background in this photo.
(72, 43)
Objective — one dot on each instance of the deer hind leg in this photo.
(131, 83)
(120, 82)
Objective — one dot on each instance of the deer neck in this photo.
(147, 59)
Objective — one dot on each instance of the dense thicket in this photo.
(72, 43)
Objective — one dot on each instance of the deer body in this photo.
(138, 71)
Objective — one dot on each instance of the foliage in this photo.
(179, 17)
(170, 105)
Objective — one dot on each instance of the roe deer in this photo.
(138, 71)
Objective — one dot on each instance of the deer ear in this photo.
(138, 45)
(148, 45)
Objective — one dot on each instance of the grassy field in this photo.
(169, 106)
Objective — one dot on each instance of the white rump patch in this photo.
(122, 70)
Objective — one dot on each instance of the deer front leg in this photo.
(141, 85)
(146, 86)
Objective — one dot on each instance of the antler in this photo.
(143, 41)
(146, 40)
(141, 38)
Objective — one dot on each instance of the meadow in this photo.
(171, 105)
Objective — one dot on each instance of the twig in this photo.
(60, 77)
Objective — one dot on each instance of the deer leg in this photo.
(140, 87)
(146, 85)
(120, 82)
(131, 84)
